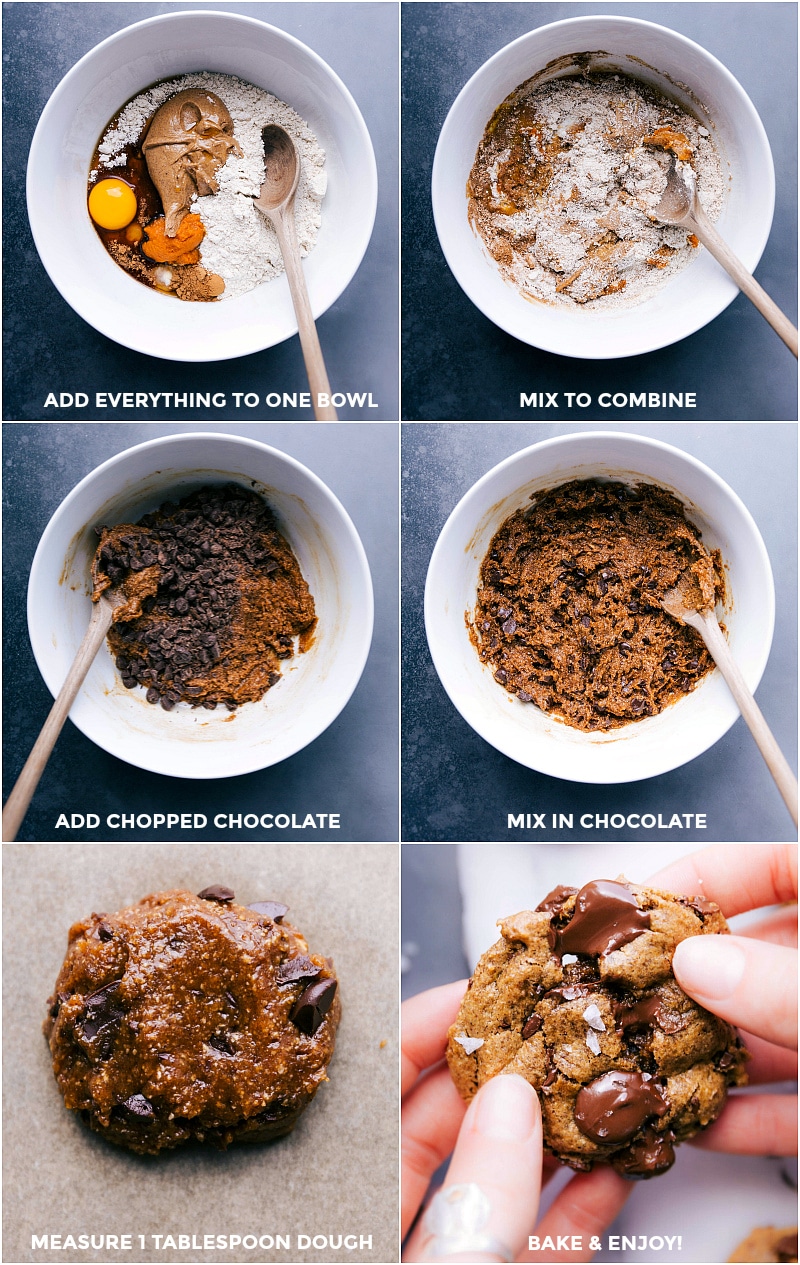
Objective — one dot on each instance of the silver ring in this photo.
(454, 1225)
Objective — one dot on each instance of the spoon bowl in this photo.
(281, 170)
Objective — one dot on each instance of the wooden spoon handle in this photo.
(25, 785)
(309, 339)
(777, 763)
(746, 282)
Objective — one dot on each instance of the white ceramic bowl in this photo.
(72, 122)
(531, 737)
(685, 72)
(314, 686)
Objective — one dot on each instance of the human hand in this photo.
(498, 1147)
(748, 979)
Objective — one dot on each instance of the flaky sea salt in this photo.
(593, 1041)
(594, 1019)
(470, 1044)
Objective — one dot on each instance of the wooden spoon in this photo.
(25, 785)
(276, 202)
(682, 604)
(680, 205)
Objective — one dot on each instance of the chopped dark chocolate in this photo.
(221, 894)
(313, 1005)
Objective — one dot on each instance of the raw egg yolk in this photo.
(112, 203)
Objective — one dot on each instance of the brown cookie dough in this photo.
(768, 1243)
(568, 610)
(191, 1018)
(214, 598)
(579, 998)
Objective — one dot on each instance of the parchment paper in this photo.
(336, 1174)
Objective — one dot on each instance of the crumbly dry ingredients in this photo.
(239, 248)
(213, 599)
(565, 181)
(578, 997)
(568, 610)
(191, 1018)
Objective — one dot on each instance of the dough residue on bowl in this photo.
(568, 612)
(564, 185)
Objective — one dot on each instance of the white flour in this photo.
(240, 245)
(564, 183)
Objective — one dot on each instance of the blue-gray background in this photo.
(351, 768)
(457, 787)
(47, 345)
(457, 364)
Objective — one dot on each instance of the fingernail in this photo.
(506, 1109)
(709, 966)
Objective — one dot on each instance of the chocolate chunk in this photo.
(554, 900)
(313, 1005)
(104, 932)
(272, 909)
(606, 916)
(786, 1248)
(296, 968)
(650, 1155)
(702, 906)
(532, 1026)
(216, 892)
(220, 1042)
(101, 1018)
(615, 1106)
(139, 1107)
(645, 1013)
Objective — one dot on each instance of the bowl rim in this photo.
(432, 603)
(80, 301)
(358, 649)
(463, 272)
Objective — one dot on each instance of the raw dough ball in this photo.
(191, 1017)
(579, 999)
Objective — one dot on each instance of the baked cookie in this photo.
(768, 1243)
(579, 999)
(191, 1018)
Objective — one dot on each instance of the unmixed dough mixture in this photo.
(579, 998)
(565, 181)
(195, 143)
(567, 612)
(191, 1018)
(213, 599)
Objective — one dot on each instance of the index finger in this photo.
(425, 1021)
(737, 877)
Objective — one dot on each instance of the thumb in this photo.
(499, 1149)
(748, 982)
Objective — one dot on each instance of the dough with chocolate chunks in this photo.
(579, 998)
(568, 612)
(191, 1018)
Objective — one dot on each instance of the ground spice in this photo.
(568, 610)
(214, 598)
